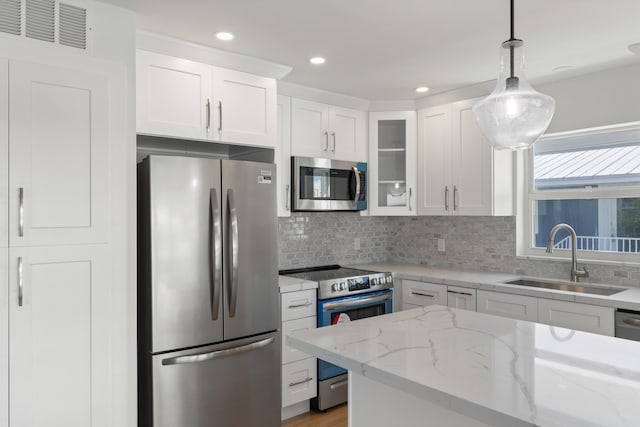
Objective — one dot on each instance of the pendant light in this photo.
(514, 115)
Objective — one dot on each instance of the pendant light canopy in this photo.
(514, 115)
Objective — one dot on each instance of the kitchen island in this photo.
(437, 366)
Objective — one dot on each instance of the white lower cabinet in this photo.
(4, 341)
(520, 307)
(299, 381)
(582, 317)
(421, 294)
(462, 298)
(59, 337)
(299, 370)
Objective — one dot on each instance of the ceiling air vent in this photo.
(40, 20)
(73, 26)
(10, 16)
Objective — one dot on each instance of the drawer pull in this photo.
(631, 321)
(306, 380)
(304, 304)
(461, 293)
(422, 295)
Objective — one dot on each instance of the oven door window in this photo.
(343, 184)
(315, 183)
(359, 313)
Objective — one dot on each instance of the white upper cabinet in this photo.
(320, 130)
(282, 155)
(460, 173)
(246, 108)
(434, 160)
(58, 152)
(173, 96)
(186, 99)
(4, 155)
(392, 163)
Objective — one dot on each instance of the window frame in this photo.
(525, 221)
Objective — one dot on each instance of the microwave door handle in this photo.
(233, 224)
(216, 256)
(356, 173)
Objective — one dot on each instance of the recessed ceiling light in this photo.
(224, 36)
(422, 89)
(317, 60)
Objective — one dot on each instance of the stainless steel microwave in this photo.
(328, 185)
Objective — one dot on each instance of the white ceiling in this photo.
(384, 49)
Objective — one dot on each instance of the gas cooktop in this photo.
(336, 281)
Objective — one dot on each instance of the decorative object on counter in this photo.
(514, 115)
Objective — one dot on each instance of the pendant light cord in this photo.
(512, 47)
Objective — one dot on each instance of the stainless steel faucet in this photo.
(575, 272)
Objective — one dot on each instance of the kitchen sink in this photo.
(571, 287)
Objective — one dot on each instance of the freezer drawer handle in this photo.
(216, 280)
(233, 294)
(360, 301)
(304, 304)
(339, 384)
(422, 295)
(203, 357)
(304, 381)
(631, 321)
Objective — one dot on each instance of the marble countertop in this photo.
(292, 284)
(628, 299)
(500, 371)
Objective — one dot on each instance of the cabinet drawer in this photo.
(462, 298)
(291, 354)
(296, 305)
(299, 381)
(422, 293)
(508, 305)
(582, 317)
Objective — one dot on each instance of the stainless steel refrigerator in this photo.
(208, 303)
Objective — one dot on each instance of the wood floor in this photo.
(334, 417)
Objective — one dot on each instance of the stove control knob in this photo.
(374, 281)
(389, 279)
(335, 287)
(343, 286)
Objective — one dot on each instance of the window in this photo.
(590, 180)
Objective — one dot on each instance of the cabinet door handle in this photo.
(455, 196)
(446, 198)
(333, 150)
(220, 112)
(460, 293)
(21, 212)
(20, 282)
(410, 193)
(326, 141)
(208, 105)
(287, 198)
(304, 381)
(422, 295)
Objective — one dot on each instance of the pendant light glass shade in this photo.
(514, 115)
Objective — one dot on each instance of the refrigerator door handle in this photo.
(203, 357)
(216, 256)
(233, 224)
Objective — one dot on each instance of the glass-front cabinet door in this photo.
(392, 163)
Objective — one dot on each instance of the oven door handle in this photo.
(356, 302)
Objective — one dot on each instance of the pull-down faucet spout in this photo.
(575, 272)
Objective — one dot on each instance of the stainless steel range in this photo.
(344, 294)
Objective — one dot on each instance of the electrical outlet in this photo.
(440, 245)
(356, 243)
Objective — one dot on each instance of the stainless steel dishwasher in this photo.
(628, 324)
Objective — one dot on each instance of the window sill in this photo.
(564, 255)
